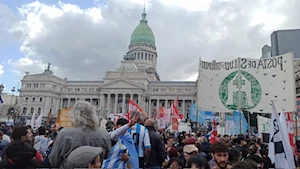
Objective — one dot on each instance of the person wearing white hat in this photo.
(85, 157)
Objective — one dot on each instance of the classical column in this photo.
(108, 104)
(157, 106)
(102, 104)
(61, 103)
(149, 108)
(116, 103)
(131, 97)
(123, 103)
(68, 103)
(183, 109)
(140, 100)
(166, 103)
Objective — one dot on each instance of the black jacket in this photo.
(158, 153)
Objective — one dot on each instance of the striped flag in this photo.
(280, 151)
(214, 133)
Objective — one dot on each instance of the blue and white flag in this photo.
(201, 117)
(233, 123)
(280, 151)
(193, 112)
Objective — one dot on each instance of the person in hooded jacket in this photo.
(20, 155)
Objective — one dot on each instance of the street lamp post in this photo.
(11, 109)
(1, 89)
(12, 98)
(146, 100)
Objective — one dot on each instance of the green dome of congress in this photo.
(142, 33)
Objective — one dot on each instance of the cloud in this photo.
(1, 70)
(82, 44)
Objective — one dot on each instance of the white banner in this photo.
(263, 124)
(262, 80)
(103, 123)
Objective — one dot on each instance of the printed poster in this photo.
(262, 81)
(64, 120)
(263, 124)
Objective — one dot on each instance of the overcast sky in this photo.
(84, 39)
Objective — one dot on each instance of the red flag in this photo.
(175, 111)
(214, 133)
(154, 113)
(291, 134)
(133, 106)
(175, 123)
(161, 112)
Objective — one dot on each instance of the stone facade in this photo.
(9, 100)
(41, 93)
(136, 79)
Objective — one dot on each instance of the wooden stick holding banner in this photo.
(239, 93)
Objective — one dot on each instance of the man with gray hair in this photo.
(141, 139)
(85, 131)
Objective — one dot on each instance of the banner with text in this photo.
(263, 125)
(64, 120)
(261, 81)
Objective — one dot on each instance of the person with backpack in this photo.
(41, 142)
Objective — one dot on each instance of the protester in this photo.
(41, 142)
(85, 157)
(122, 147)
(140, 135)
(20, 155)
(85, 132)
(219, 152)
(158, 153)
(23, 134)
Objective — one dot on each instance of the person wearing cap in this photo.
(85, 131)
(85, 157)
(189, 151)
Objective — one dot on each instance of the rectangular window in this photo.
(28, 85)
(24, 110)
(41, 99)
(33, 99)
(43, 85)
(154, 104)
(35, 85)
(39, 110)
(31, 110)
(179, 104)
(26, 99)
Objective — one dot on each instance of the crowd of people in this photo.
(132, 144)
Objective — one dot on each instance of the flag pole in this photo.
(296, 120)
(239, 93)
